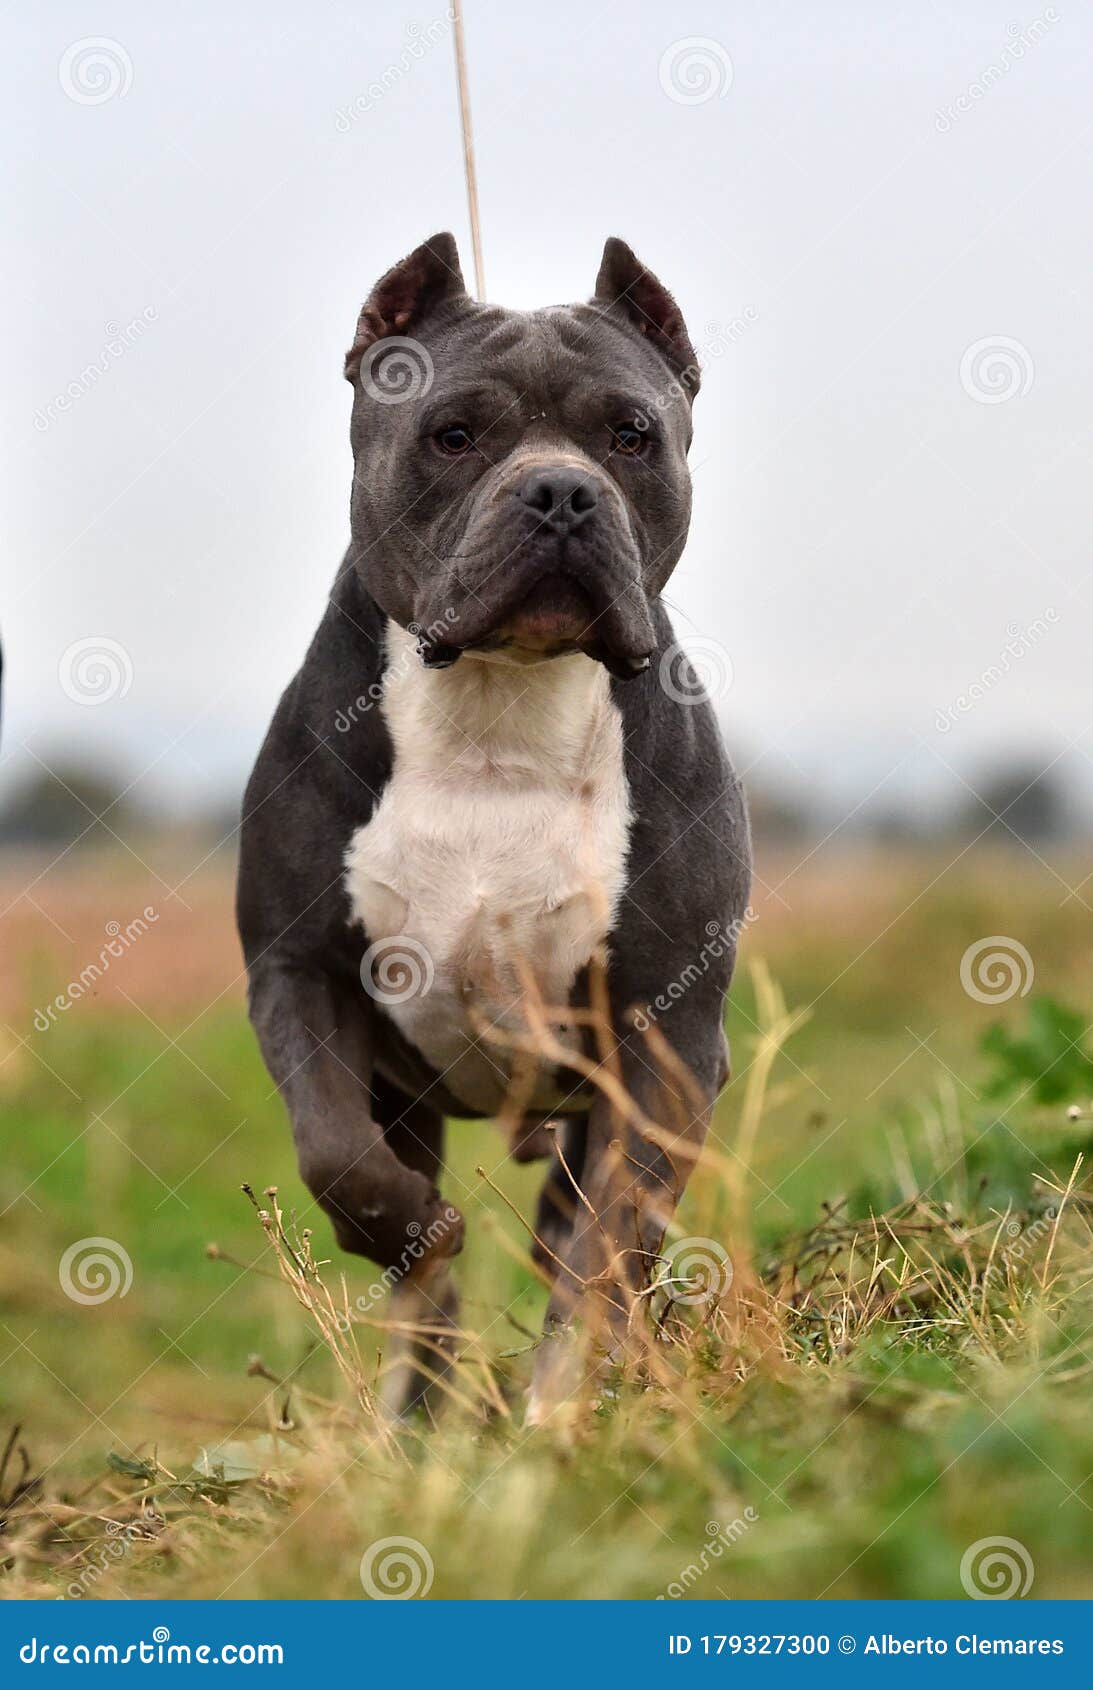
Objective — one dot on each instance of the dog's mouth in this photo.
(557, 613)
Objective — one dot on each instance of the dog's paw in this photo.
(442, 1231)
(556, 1382)
(397, 1225)
(532, 1140)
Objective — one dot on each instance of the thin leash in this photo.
(468, 147)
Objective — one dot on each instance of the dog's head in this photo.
(520, 478)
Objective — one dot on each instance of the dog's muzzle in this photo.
(569, 581)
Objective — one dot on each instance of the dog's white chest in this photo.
(497, 851)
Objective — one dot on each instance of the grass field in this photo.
(869, 1401)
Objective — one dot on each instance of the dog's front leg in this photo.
(316, 1037)
(636, 1164)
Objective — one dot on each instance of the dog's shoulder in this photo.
(676, 759)
(319, 775)
(689, 865)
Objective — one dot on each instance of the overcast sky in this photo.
(875, 217)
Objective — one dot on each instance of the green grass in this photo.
(876, 1434)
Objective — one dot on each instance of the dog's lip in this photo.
(557, 610)
(615, 628)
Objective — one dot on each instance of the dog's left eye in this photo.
(630, 438)
(454, 440)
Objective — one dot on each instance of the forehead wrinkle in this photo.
(623, 369)
(535, 361)
(458, 388)
(489, 328)
(598, 328)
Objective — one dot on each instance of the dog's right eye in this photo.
(454, 440)
(631, 437)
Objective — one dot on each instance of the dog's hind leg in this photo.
(424, 1299)
(635, 1168)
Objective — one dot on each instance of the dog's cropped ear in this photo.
(625, 286)
(401, 298)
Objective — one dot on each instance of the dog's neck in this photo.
(538, 721)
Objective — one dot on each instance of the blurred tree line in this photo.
(56, 809)
(69, 804)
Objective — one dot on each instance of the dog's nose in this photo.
(563, 497)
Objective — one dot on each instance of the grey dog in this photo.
(493, 769)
